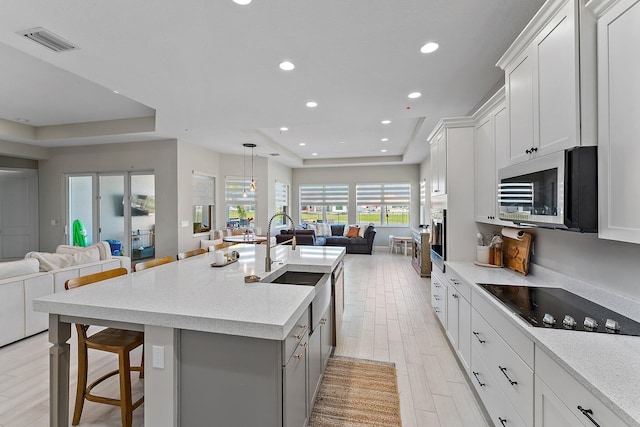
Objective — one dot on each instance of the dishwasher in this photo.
(337, 286)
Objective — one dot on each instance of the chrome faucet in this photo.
(267, 260)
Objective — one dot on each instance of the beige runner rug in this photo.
(357, 393)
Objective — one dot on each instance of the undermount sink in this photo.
(298, 278)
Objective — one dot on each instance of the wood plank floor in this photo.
(388, 317)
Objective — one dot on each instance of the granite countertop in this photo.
(607, 365)
(190, 294)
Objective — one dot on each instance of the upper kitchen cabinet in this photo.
(439, 164)
(618, 24)
(550, 82)
(491, 142)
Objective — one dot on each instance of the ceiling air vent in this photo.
(47, 39)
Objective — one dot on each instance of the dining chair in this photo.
(152, 263)
(189, 254)
(112, 340)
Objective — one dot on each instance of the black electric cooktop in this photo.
(560, 309)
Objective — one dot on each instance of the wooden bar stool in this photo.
(112, 340)
(152, 263)
(189, 254)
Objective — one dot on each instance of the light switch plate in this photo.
(185, 223)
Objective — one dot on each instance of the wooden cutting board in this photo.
(516, 253)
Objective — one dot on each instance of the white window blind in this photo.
(234, 186)
(324, 195)
(282, 194)
(383, 194)
(203, 190)
(423, 192)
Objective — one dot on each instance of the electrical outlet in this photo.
(185, 224)
(157, 357)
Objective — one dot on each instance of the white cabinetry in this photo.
(618, 124)
(491, 153)
(459, 317)
(550, 82)
(561, 401)
(501, 366)
(439, 164)
(439, 296)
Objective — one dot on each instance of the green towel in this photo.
(79, 234)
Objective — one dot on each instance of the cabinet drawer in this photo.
(522, 345)
(461, 286)
(574, 394)
(500, 410)
(293, 339)
(511, 373)
(439, 298)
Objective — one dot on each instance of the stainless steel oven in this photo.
(438, 237)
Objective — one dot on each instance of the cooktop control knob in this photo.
(590, 323)
(548, 319)
(569, 321)
(612, 325)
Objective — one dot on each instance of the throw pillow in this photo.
(347, 228)
(362, 230)
(353, 231)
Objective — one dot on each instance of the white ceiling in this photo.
(208, 71)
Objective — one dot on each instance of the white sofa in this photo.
(35, 276)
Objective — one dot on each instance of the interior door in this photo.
(18, 213)
(80, 210)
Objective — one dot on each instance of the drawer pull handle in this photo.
(437, 285)
(323, 321)
(503, 421)
(478, 337)
(504, 371)
(436, 297)
(475, 374)
(587, 413)
(436, 309)
(454, 295)
(304, 328)
(299, 356)
(303, 345)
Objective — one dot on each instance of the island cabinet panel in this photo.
(242, 381)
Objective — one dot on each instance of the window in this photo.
(326, 203)
(240, 202)
(383, 204)
(282, 203)
(203, 202)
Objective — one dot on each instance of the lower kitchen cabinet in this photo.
(561, 401)
(320, 346)
(439, 296)
(294, 378)
(459, 318)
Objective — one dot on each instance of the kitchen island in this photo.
(201, 323)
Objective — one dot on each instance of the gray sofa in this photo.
(354, 245)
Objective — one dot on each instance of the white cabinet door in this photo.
(464, 333)
(453, 299)
(485, 171)
(618, 124)
(550, 411)
(520, 104)
(557, 84)
(439, 164)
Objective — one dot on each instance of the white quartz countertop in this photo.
(190, 294)
(607, 365)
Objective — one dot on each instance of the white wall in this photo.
(425, 176)
(353, 175)
(157, 156)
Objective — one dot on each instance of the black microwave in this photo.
(559, 190)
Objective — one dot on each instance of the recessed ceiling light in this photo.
(429, 47)
(116, 92)
(242, 2)
(341, 142)
(383, 151)
(384, 139)
(312, 104)
(302, 144)
(314, 154)
(385, 122)
(22, 120)
(287, 65)
(284, 129)
(414, 95)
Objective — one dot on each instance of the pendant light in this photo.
(244, 175)
(252, 185)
